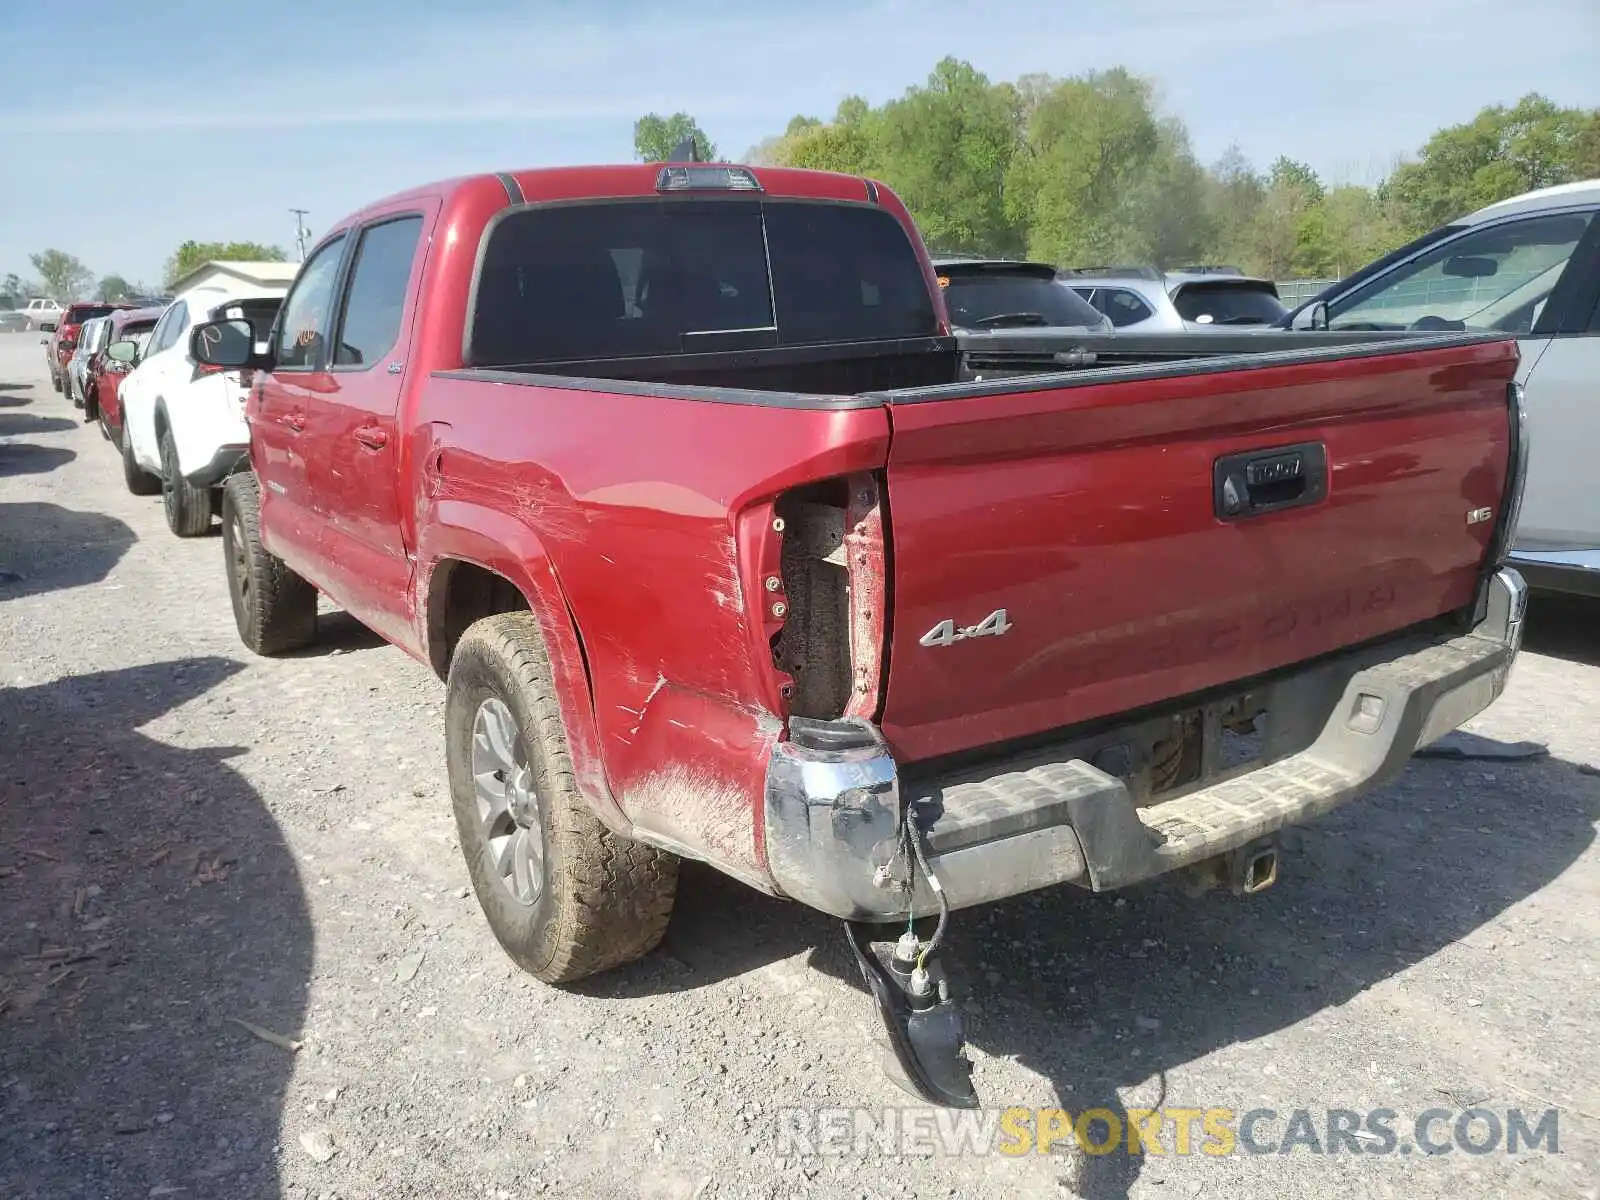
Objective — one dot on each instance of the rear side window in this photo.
(138, 333)
(376, 295)
(1122, 306)
(653, 277)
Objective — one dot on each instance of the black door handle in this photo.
(1263, 481)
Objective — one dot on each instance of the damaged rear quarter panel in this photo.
(637, 502)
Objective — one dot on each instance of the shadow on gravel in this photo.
(27, 425)
(44, 547)
(1100, 993)
(339, 633)
(13, 401)
(23, 458)
(1565, 627)
(148, 899)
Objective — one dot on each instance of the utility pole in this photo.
(300, 231)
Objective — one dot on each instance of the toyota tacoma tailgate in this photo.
(1072, 547)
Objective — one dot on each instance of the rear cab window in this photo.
(662, 276)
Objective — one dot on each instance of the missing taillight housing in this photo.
(833, 577)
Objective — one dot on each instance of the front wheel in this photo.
(564, 896)
(140, 482)
(275, 609)
(188, 508)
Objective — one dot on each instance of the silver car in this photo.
(91, 340)
(1193, 299)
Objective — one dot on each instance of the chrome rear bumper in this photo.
(834, 794)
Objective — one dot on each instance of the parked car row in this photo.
(178, 424)
(993, 293)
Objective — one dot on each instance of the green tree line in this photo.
(1087, 170)
(62, 276)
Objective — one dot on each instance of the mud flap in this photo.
(927, 1038)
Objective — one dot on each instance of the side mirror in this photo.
(123, 352)
(225, 344)
(1313, 316)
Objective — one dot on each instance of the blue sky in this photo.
(192, 118)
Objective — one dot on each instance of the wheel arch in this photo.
(473, 573)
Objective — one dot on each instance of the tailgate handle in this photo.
(1263, 481)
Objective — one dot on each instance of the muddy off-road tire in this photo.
(140, 482)
(188, 508)
(564, 896)
(275, 609)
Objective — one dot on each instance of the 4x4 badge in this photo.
(948, 633)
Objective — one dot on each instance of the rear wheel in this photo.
(91, 409)
(564, 896)
(187, 507)
(55, 381)
(275, 609)
(140, 482)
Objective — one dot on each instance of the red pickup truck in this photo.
(675, 474)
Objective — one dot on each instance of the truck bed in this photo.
(1081, 503)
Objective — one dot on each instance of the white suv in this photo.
(40, 311)
(183, 422)
(1528, 266)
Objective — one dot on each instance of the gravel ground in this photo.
(191, 837)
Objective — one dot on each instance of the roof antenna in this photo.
(685, 151)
